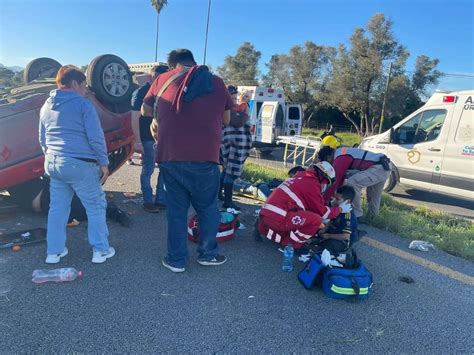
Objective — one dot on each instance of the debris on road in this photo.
(406, 279)
(56, 275)
(16, 248)
(420, 245)
(167, 294)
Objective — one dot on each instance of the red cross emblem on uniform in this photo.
(297, 220)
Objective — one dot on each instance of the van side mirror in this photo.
(392, 138)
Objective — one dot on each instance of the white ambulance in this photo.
(433, 148)
(271, 116)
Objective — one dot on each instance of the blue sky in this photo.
(74, 32)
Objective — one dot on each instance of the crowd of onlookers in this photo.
(196, 129)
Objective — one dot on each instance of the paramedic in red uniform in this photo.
(362, 169)
(295, 210)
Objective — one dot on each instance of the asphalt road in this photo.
(133, 304)
(456, 206)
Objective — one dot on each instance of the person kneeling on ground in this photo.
(340, 233)
(295, 210)
(34, 195)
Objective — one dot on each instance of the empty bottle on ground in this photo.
(288, 255)
(57, 275)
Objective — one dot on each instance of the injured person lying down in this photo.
(35, 196)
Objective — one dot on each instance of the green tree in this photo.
(5, 76)
(425, 75)
(359, 76)
(17, 80)
(241, 69)
(302, 74)
(359, 72)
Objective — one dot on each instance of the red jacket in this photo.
(302, 192)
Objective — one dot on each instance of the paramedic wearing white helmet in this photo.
(295, 210)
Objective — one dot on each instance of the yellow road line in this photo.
(420, 261)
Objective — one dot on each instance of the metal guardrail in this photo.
(306, 147)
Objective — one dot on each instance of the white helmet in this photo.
(327, 171)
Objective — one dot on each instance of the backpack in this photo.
(229, 223)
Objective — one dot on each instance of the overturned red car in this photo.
(110, 87)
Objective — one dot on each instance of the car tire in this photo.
(392, 180)
(110, 79)
(41, 68)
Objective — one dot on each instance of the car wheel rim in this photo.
(115, 79)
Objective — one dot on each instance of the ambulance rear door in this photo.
(267, 121)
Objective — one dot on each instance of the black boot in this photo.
(228, 189)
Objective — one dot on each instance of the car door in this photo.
(418, 146)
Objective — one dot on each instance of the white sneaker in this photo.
(55, 258)
(99, 257)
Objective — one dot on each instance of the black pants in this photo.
(334, 246)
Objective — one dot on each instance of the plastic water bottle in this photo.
(288, 254)
(57, 275)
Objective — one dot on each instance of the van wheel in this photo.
(110, 78)
(263, 154)
(392, 180)
(41, 68)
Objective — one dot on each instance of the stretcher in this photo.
(301, 149)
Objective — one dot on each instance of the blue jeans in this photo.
(69, 175)
(194, 183)
(147, 171)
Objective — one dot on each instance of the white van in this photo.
(433, 148)
(271, 116)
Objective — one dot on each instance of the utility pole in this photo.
(385, 98)
(207, 31)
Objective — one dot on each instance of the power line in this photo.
(449, 74)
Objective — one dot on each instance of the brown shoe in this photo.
(150, 207)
